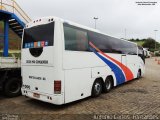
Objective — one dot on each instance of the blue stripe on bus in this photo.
(120, 77)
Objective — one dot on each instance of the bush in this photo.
(157, 54)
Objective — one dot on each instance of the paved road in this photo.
(136, 97)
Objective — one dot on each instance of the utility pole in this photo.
(155, 39)
(95, 18)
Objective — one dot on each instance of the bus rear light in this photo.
(57, 87)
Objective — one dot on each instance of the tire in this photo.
(96, 88)
(139, 74)
(12, 87)
(107, 85)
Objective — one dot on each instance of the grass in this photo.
(12, 51)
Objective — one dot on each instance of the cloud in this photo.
(114, 15)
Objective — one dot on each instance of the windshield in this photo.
(141, 53)
(39, 36)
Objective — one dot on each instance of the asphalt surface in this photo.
(138, 97)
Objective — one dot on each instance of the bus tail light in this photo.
(57, 87)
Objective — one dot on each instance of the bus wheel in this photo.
(108, 84)
(97, 88)
(139, 74)
(12, 87)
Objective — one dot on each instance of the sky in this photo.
(114, 16)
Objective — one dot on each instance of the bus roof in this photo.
(91, 29)
(75, 24)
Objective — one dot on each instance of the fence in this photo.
(13, 7)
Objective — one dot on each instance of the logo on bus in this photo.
(39, 44)
(32, 44)
(46, 43)
(42, 44)
(36, 44)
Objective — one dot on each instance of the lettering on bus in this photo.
(37, 78)
(37, 61)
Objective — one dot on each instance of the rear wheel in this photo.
(108, 85)
(96, 88)
(12, 87)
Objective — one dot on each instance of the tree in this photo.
(150, 43)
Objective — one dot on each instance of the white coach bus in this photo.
(63, 61)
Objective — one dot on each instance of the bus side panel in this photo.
(141, 66)
(81, 70)
(133, 64)
(103, 72)
(76, 59)
(80, 60)
(78, 84)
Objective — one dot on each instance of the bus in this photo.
(63, 61)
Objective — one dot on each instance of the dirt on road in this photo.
(136, 97)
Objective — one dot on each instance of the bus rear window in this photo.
(39, 36)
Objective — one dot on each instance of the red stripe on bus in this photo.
(126, 70)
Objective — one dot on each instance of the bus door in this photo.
(124, 60)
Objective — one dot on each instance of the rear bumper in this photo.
(53, 99)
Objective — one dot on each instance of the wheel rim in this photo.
(97, 88)
(14, 87)
(108, 85)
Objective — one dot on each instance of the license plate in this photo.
(36, 95)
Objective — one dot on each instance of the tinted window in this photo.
(112, 45)
(76, 39)
(99, 41)
(104, 43)
(39, 36)
(130, 48)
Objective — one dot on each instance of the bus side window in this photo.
(82, 41)
(69, 36)
(75, 38)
